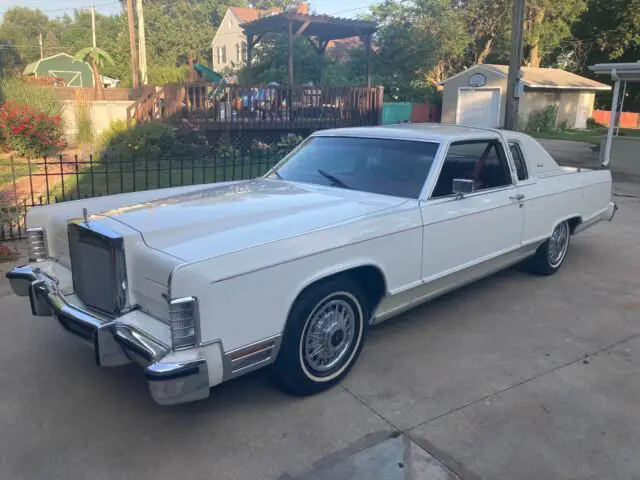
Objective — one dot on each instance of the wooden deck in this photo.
(261, 107)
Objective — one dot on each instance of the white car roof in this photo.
(414, 131)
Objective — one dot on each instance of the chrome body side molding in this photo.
(394, 305)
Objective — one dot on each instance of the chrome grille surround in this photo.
(97, 252)
(37, 244)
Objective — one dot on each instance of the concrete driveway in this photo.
(515, 377)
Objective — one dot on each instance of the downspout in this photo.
(612, 118)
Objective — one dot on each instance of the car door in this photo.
(482, 226)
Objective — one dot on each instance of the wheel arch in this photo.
(574, 220)
(369, 275)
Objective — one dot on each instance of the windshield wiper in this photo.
(335, 180)
(275, 172)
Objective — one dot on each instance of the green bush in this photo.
(543, 119)
(148, 140)
(592, 123)
(39, 98)
(116, 127)
(563, 126)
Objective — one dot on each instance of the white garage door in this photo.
(479, 107)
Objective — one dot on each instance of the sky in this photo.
(54, 8)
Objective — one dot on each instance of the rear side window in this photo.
(518, 160)
(482, 161)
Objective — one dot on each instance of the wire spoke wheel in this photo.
(329, 335)
(558, 244)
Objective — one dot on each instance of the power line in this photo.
(79, 7)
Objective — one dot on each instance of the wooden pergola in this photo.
(318, 29)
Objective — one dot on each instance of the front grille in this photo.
(98, 266)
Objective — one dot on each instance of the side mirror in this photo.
(461, 187)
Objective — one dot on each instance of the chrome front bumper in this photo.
(114, 343)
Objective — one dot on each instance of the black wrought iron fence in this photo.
(26, 183)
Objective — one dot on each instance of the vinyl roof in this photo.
(413, 131)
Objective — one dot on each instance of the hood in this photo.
(226, 218)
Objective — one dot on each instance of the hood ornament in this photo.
(85, 215)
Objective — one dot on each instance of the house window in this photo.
(218, 54)
(224, 54)
(243, 47)
(238, 52)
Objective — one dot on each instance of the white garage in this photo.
(479, 107)
(477, 95)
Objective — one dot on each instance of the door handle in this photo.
(519, 197)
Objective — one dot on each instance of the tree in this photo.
(418, 44)
(22, 26)
(180, 31)
(271, 61)
(547, 24)
(51, 44)
(485, 22)
(96, 57)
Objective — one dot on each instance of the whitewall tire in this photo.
(324, 336)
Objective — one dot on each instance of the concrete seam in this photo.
(403, 432)
(535, 377)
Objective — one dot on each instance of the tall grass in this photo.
(84, 125)
(42, 99)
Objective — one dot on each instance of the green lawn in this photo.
(121, 177)
(590, 136)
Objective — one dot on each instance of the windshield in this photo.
(376, 165)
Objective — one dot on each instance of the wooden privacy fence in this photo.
(627, 119)
(404, 112)
(261, 107)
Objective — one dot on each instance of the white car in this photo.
(201, 284)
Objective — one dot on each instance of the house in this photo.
(108, 82)
(477, 96)
(75, 73)
(229, 45)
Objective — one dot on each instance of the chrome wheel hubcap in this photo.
(558, 244)
(329, 335)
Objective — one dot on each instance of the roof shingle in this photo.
(552, 78)
(245, 14)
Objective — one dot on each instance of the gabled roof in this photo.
(548, 78)
(32, 68)
(245, 14)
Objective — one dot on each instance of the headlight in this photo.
(184, 322)
(36, 244)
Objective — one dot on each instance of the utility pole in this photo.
(132, 44)
(142, 44)
(93, 24)
(41, 45)
(515, 62)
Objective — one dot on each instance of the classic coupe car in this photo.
(201, 284)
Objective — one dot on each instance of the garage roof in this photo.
(551, 78)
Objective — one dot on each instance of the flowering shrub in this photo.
(29, 132)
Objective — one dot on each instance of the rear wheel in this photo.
(323, 338)
(551, 254)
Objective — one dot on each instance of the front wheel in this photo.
(551, 254)
(325, 332)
